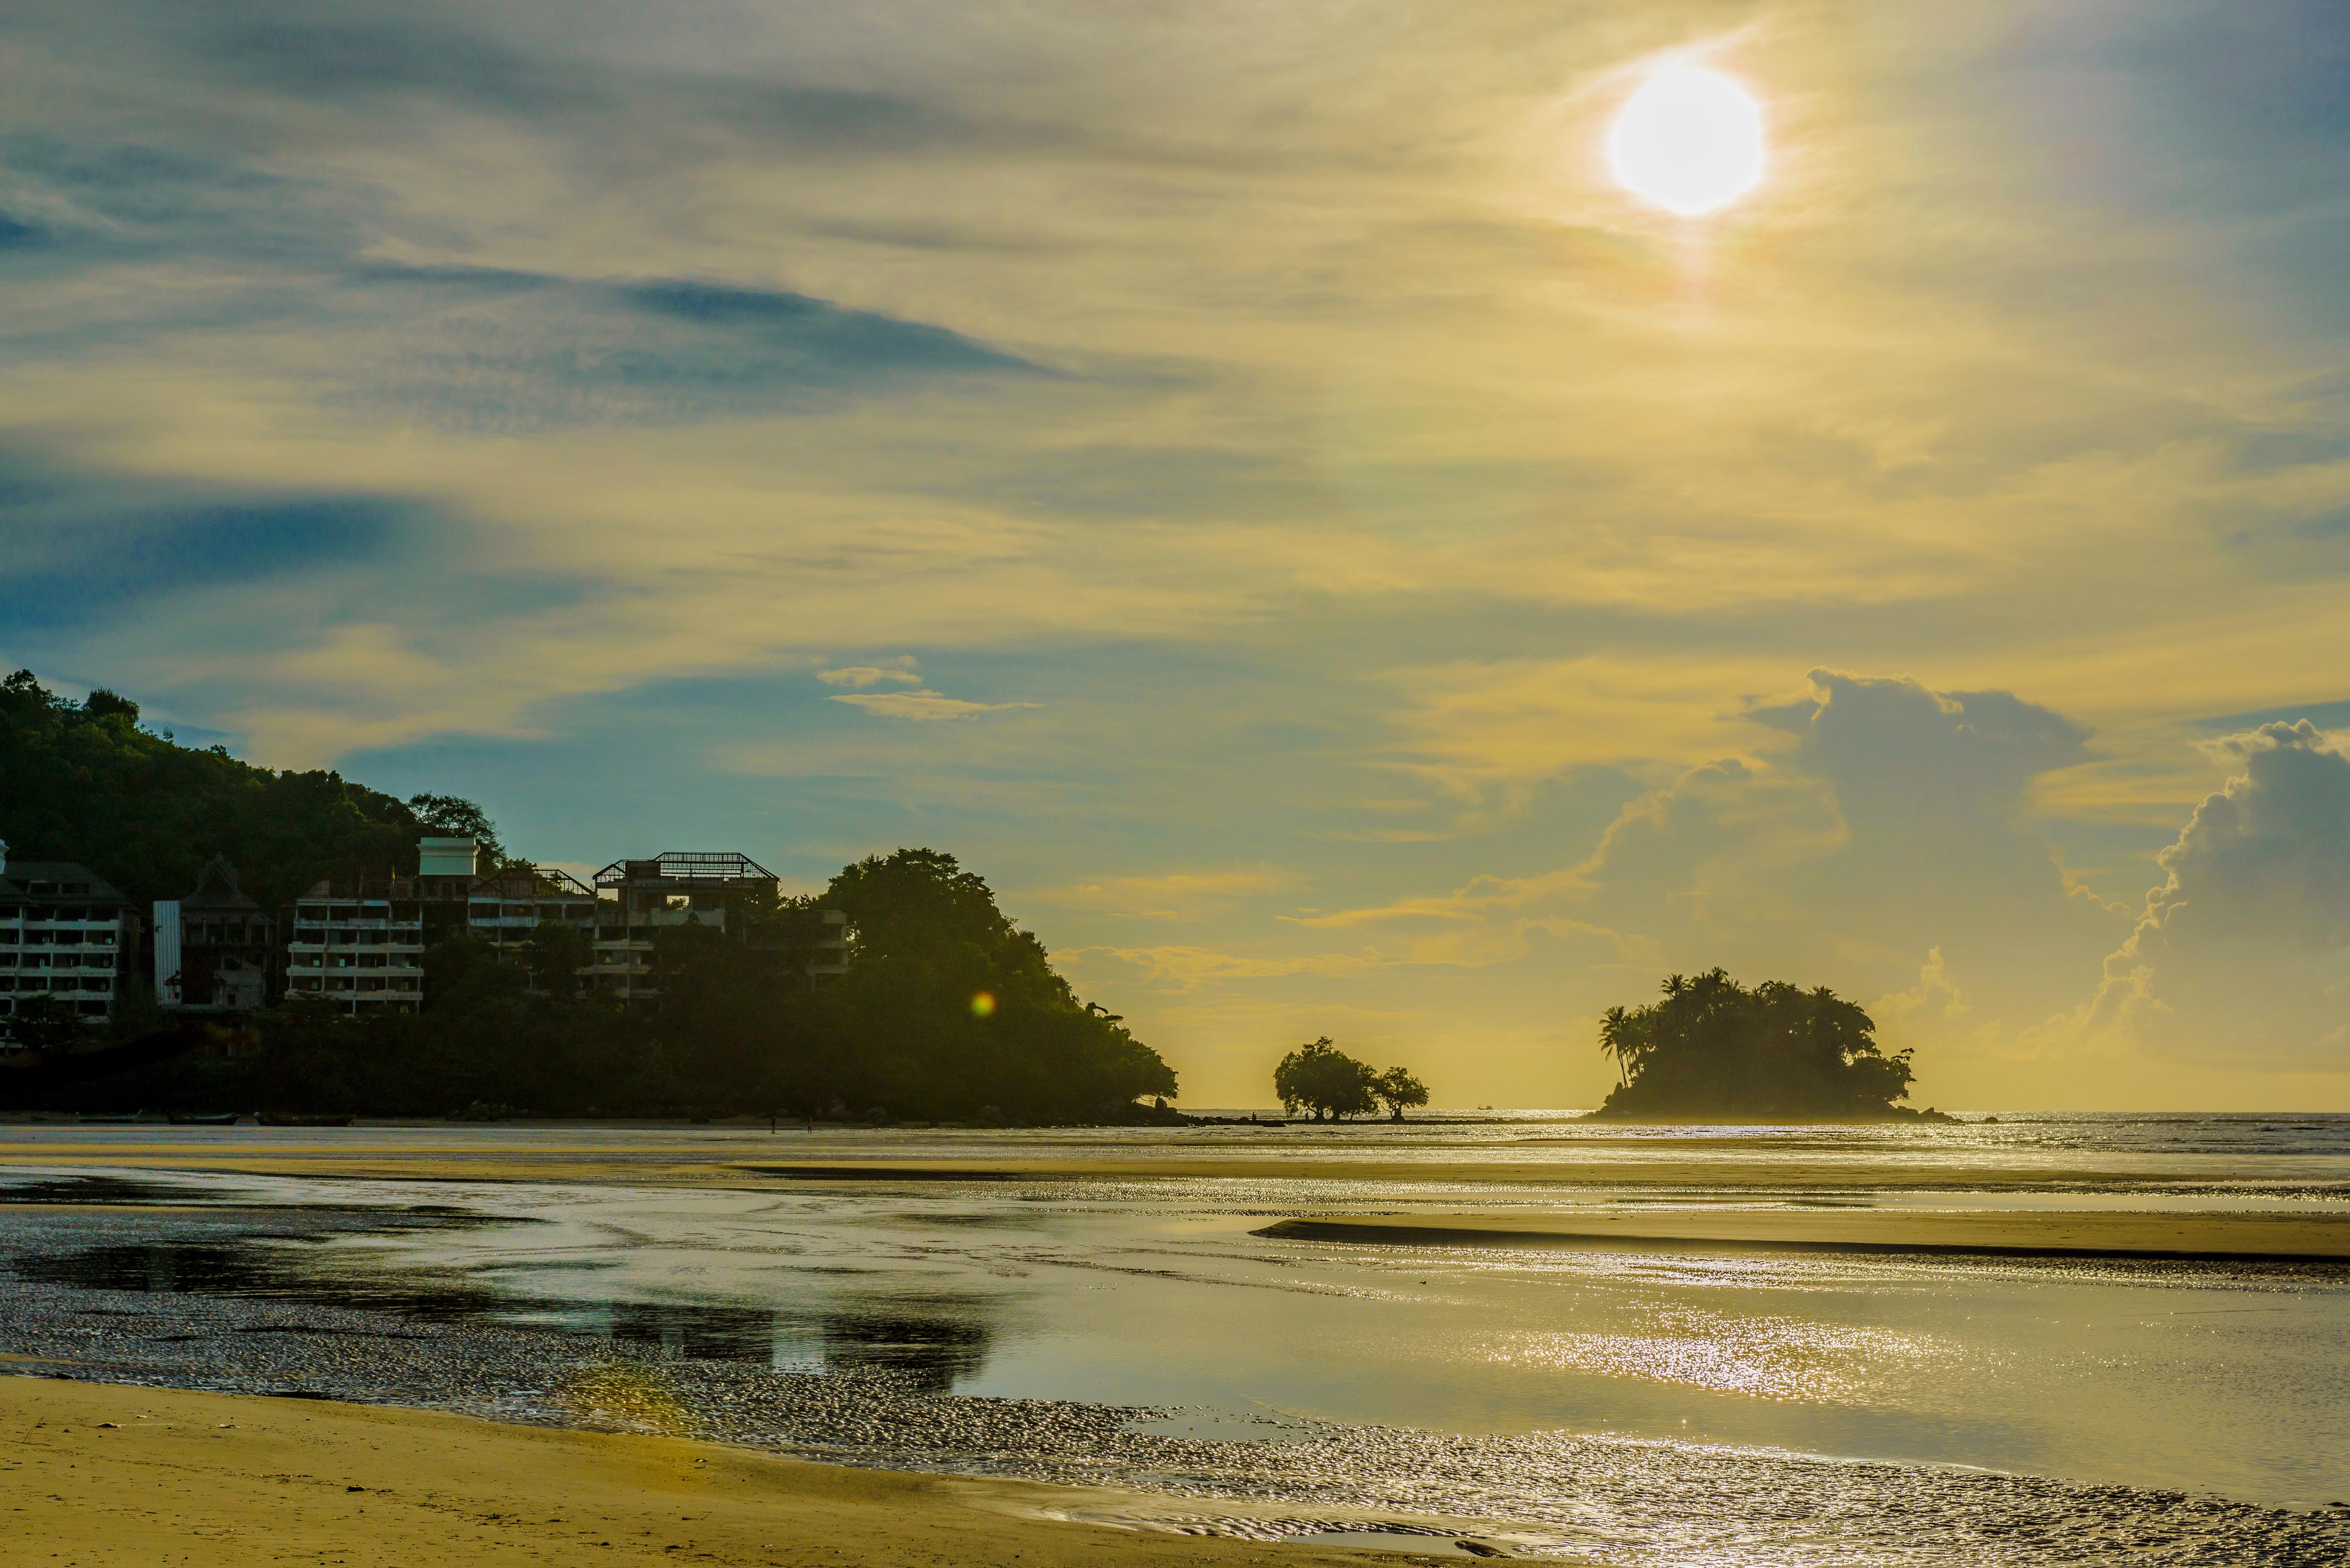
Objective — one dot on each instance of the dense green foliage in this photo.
(1323, 1079)
(1399, 1092)
(1713, 1050)
(739, 1025)
(928, 943)
(83, 782)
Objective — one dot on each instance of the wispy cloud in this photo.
(1166, 896)
(922, 704)
(1185, 967)
(861, 676)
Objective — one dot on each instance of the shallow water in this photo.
(1632, 1403)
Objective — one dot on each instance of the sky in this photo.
(1247, 480)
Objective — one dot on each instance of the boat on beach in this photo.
(268, 1120)
(204, 1119)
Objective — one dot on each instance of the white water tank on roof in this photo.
(445, 858)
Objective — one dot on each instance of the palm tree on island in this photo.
(1712, 1050)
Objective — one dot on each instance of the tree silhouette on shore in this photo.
(1320, 1078)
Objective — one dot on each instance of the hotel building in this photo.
(64, 933)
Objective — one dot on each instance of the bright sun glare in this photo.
(1691, 140)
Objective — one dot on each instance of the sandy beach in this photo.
(105, 1474)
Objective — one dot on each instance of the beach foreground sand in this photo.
(94, 1473)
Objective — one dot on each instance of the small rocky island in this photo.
(1713, 1050)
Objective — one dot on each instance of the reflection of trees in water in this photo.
(932, 1343)
(249, 1267)
(704, 1332)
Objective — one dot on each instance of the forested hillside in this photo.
(947, 1010)
(83, 781)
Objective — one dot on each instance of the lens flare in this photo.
(983, 1005)
(1691, 140)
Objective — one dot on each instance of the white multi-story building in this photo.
(358, 945)
(64, 935)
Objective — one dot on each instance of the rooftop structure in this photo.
(215, 947)
(439, 857)
(506, 907)
(63, 934)
(445, 874)
(677, 887)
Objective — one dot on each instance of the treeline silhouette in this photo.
(739, 1025)
(1712, 1050)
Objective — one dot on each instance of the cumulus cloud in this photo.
(1886, 845)
(2267, 858)
(2245, 947)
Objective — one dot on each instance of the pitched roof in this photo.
(532, 882)
(218, 889)
(16, 882)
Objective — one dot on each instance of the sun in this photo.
(1690, 141)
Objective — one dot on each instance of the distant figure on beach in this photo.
(1712, 1050)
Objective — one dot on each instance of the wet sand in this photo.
(1672, 1168)
(1730, 1167)
(100, 1473)
(2205, 1237)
